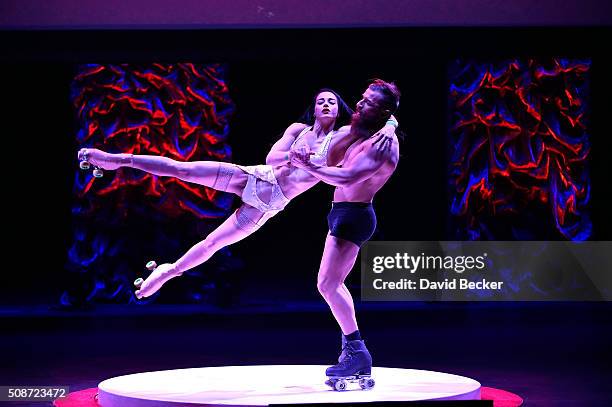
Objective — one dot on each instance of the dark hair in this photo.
(344, 112)
(390, 92)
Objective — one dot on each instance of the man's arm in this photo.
(342, 140)
(362, 167)
(279, 153)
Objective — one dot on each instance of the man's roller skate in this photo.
(159, 275)
(355, 366)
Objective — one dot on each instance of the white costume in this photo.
(265, 173)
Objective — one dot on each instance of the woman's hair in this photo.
(344, 112)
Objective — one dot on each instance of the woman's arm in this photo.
(384, 136)
(279, 153)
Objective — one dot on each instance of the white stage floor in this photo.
(276, 384)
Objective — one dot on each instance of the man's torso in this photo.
(365, 190)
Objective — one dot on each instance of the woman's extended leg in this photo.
(218, 175)
(214, 174)
(239, 225)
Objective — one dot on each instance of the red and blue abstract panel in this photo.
(128, 217)
(179, 111)
(519, 136)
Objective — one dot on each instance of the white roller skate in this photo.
(158, 277)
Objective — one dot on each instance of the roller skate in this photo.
(355, 366)
(343, 348)
(157, 278)
(84, 164)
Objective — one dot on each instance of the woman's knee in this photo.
(246, 218)
(210, 244)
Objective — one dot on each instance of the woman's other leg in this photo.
(242, 223)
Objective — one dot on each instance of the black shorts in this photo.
(352, 221)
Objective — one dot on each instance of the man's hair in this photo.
(390, 92)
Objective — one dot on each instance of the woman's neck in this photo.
(323, 127)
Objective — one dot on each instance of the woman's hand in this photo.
(384, 138)
(300, 157)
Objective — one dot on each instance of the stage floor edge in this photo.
(276, 384)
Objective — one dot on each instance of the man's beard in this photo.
(364, 126)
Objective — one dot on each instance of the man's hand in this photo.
(99, 158)
(384, 139)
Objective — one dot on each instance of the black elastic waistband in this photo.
(351, 204)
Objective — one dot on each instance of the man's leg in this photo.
(338, 259)
(239, 225)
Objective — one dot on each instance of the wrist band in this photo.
(392, 122)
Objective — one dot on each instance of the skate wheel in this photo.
(151, 265)
(98, 173)
(138, 282)
(340, 385)
(84, 165)
(366, 384)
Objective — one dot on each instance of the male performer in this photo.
(366, 168)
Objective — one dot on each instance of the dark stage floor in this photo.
(551, 354)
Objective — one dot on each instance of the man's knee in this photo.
(328, 286)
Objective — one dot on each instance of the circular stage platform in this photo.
(276, 384)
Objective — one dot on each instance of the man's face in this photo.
(369, 109)
(326, 106)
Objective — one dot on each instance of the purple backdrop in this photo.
(297, 13)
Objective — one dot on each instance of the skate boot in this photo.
(356, 366)
(159, 276)
(343, 349)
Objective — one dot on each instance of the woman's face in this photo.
(326, 106)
